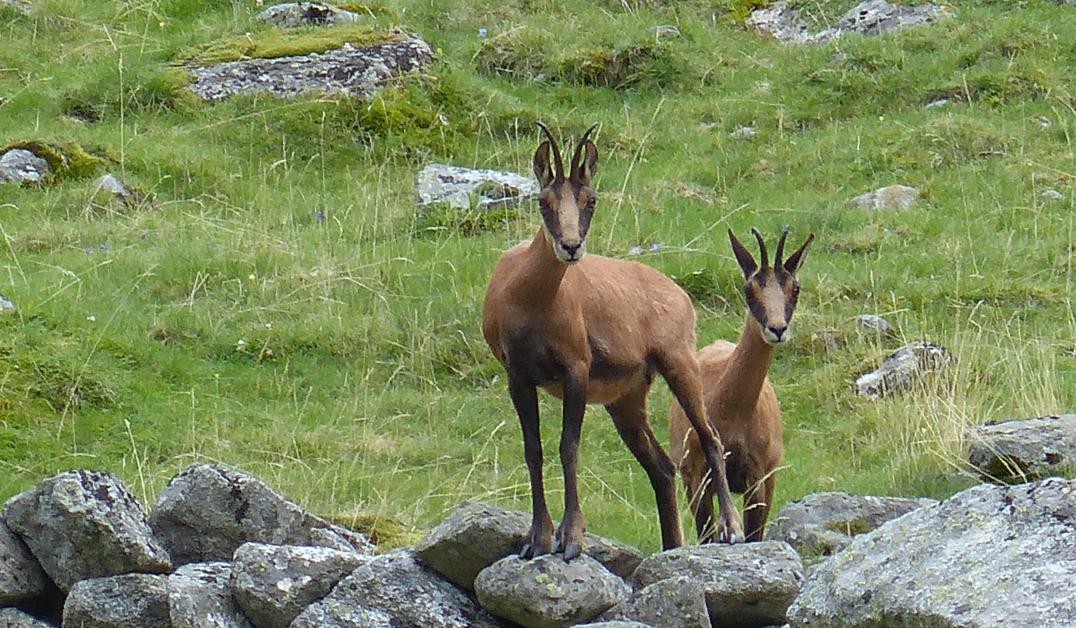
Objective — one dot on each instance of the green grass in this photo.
(340, 359)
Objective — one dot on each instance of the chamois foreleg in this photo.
(525, 399)
(757, 502)
(570, 532)
(629, 417)
(681, 372)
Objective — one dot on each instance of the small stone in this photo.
(118, 602)
(665, 31)
(115, 189)
(1052, 195)
(19, 165)
(941, 102)
(6, 305)
(872, 324)
(1018, 451)
(901, 369)
(890, 197)
(744, 133)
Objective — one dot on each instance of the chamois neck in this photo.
(746, 369)
(543, 272)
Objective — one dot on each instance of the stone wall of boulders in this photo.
(220, 548)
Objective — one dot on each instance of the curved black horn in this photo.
(765, 261)
(780, 248)
(579, 146)
(556, 150)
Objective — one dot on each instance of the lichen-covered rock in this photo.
(873, 17)
(455, 186)
(85, 524)
(889, 197)
(200, 596)
(678, 602)
(902, 368)
(14, 618)
(394, 590)
(21, 576)
(207, 511)
(274, 583)
(19, 165)
(1018, 451)
(750, 584)
(295, 14)
(821, 524)
(349, 70)
(988, 556)
(548, 592)
(118, 602)
(477, 534)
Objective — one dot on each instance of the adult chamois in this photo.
(740, 401)
(590, 329)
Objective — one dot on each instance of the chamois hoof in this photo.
(572, 550)
(531, 551)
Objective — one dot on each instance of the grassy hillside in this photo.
(276, 301)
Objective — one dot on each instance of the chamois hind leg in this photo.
(700, 495)
(629, 417)
(681, 372)
(525, 399)
(757, 503)
(570, 532)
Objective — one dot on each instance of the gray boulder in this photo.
(822, 524)
(901, 369)
(274, 583)
(1018, 451)
(749, 584)
(21, 576)
(295, 14)
(118, 602)
(199, 596)
(207, 511)
(456, 186)
(394, 590)
(988, 556)
(477, 534)
(85, 524)
(548, 592)
(14, 618)
(873, 17)
(19, 165)
(678, 602)
(348, 70)
(889, 197)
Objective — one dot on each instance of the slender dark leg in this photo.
(570, 532)
(757, 503)
(525, 399)
(700, 492)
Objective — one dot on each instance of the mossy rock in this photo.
(66, 159)
(274, 43)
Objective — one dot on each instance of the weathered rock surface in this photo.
(294, 14)
(749, 584)
(1018, 451)
(873, 17)
(274, 583)
(822, 524)
(207, 511)
(349, 70)
(438, 183)
(889, 197)
(85, 524)
(988, 556)
(118, 602)
(19, 165)
(21, 577)
(200, 596)
(394, 590)
(14, 618)
(548, 592)
(477, 534)
(678, 602)
(902, 368)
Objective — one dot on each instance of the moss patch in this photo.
(270, 44)
(66, 159)
(851, 527)
(372, 10)
(387, 533)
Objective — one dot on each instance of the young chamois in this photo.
(590, 329)
(740, 401)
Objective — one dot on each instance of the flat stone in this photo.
(19, 165)
(21, 577)
(295, 14)
(14, 618)
(200, 596)
(889, 197)
(548, 592)
(988, 556)
(678, 602)
(901, 369)
(1018, 451)
(123, 601)
(85, 524)
(456, 187)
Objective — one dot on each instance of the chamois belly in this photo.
(603, 390)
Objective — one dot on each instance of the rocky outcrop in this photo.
(118, 602)
(295, 14)
(822, 524)
(85, 524)
(349, 70)
(274, 583)
(988, 556)
(19, 165)
(678, 602)
(873, 17)
(200, 596)
(750, 584)
(901, 369)
(21, 577)
(548, 592)
(1018, 451)
(207, 511)
(889, 197)
(457, 187)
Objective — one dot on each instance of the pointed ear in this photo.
(588, 164)
(747, 263)
(543, 169)
(794, 260)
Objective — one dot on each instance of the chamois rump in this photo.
(590, 329)
(740, 401)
